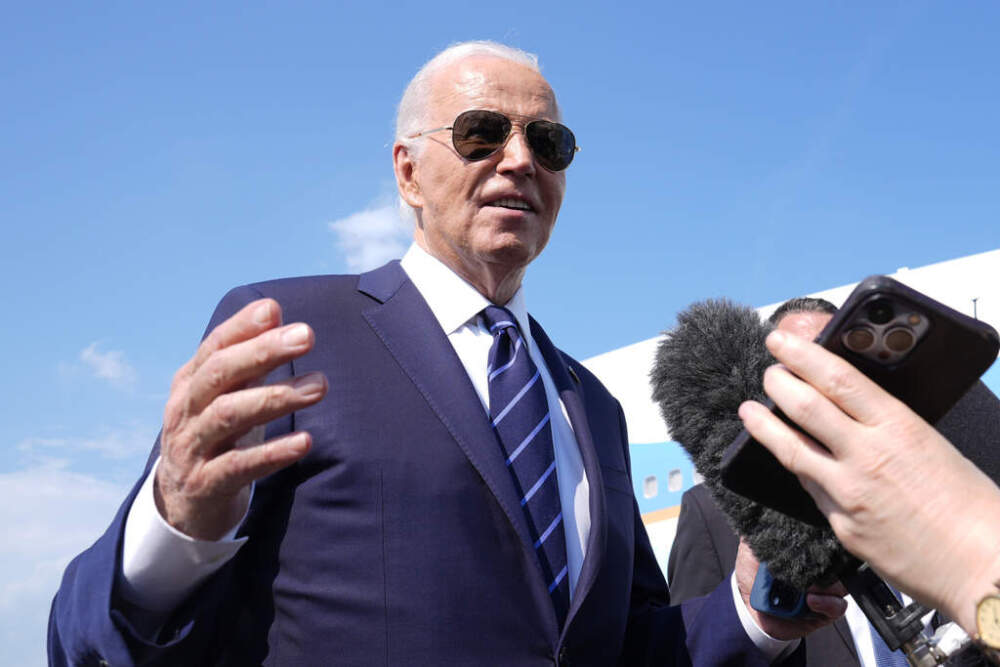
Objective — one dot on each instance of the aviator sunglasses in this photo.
(478, 134)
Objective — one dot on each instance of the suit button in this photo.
(564, 659)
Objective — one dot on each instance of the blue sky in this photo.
(156, 155)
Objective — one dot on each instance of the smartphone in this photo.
(775, 597)
(921, 351)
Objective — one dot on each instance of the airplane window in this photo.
(675, 480)
(649, 487)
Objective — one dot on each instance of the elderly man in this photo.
(461, 495)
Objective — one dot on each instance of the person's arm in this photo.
(162, 566)
(871, 474)
(210, 453)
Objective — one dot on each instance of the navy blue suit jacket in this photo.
(398, 540)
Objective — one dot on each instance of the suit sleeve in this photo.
(90, 624)
(701, 631)
(694, 568)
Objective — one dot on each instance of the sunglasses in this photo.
(478, 134)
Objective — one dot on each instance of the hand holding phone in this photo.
(921, 351)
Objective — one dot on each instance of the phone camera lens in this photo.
(880, 311)
(859, 339)
(899, 340)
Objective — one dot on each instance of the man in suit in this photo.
(386, 514)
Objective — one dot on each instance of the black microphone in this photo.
(713, 360)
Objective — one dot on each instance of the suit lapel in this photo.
(571, 393)
(844, 630)
(435, 370)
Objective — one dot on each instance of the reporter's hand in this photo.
(896, 493)
(827, 602)
(211, 447)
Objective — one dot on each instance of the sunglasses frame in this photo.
(510, 129)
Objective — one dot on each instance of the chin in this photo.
(514, 250)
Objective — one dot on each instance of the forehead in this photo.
(804, 324)
(491, 83)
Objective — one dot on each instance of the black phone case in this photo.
(937, 372)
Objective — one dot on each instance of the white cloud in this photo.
(49, 515)
(372, 237)
(110, 365)
(52, 510)
(118, 443)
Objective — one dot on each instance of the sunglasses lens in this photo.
(478, 134)
(554, 144)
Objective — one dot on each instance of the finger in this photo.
(836, 588)
(835, 378)
(237, 468)
(232, 367)
(794, 450)
(809, 409)
(253, 319)
(829, 606)
(233, 414)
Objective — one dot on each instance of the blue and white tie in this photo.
(519, 413)
(884, 657)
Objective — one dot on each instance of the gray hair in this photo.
(412, 112)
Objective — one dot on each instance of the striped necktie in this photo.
(519, 413)
(884, 657)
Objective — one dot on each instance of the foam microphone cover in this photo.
(972, 426)
(713, 360)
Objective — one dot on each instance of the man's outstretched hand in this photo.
(212, 447)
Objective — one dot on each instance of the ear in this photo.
(406, 175)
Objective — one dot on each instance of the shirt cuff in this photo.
(161, 565)
(774, 649)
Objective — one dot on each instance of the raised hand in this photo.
(212, 442)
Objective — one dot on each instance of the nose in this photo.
(516, 156)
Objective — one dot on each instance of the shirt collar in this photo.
(452, 300)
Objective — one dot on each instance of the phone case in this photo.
(775, 597)
(950, 353)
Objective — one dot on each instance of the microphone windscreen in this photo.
(972, 426)
(713, 360)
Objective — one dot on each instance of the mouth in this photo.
(511, 203)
